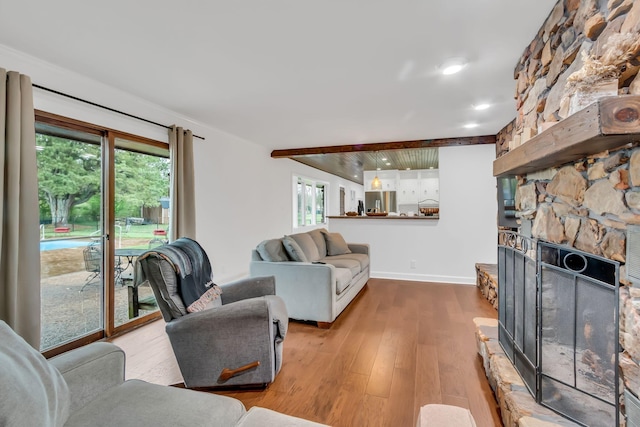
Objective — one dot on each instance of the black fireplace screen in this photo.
(517, 303)
(578, 324)
(558, 323)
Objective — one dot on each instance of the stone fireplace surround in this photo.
(579, 180)
(579, 186)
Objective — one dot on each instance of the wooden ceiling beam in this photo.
(382, 146)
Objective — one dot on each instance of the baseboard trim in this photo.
(458, 280)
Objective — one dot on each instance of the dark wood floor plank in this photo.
(399, 345)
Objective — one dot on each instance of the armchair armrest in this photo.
(307, 289)
(250, 287)
(90, 370)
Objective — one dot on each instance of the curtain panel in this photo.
(19, 233)
(183, 203)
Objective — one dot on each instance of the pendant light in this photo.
(376, 184)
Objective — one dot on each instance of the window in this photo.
(103, 198)
(310, 200)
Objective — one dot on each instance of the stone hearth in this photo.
(487, 282)
(517, 407)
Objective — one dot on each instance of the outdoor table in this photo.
(135, 303)
(129, 254)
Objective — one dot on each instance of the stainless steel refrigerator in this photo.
(380, 201)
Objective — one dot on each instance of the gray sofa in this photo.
(86, 387)
(317, 273)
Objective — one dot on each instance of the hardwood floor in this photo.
(399, 345)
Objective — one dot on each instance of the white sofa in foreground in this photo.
(317, 273)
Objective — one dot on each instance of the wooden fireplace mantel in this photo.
(607, 124)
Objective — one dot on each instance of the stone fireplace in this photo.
(578, 190)
(588, 205)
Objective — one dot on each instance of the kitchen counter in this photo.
(411, 218)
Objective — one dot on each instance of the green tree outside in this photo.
(141, 180)
(69, 174)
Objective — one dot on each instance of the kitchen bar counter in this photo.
(432, 217)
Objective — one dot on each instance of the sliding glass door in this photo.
(141, 208)
(71, 233)
(103, 201)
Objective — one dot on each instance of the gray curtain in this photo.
(19, 237)
(183, 202)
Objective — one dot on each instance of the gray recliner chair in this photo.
(238, 342)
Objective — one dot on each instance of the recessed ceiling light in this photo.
(481, 106)
(384, 159)
(471, 125)
(408, 169)
(388, 164)
(452, 66)
(378, 169)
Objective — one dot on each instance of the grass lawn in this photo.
(134, 231)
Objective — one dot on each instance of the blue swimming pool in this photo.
(61, 244)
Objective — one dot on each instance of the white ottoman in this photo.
(262, 417)
(444, 416)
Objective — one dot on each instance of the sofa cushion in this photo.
(343, 279)
(363, 259)
(294, 250)
(307, 245)
(138, 403)
(34, 393)
(336, 244)
(318, 238)
(272, 250)
(351, 264)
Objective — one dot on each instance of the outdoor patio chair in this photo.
(155, 242)
(236, 340)
(92, 263)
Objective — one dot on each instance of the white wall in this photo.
(445, 250)
(243, 196)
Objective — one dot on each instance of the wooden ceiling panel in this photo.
(350, 161)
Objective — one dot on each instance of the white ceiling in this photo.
(294, 73)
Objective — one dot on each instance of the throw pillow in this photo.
(336, 244)
(307, 245)
(272, 250)
(209, 299)
(318, 238)
(34, 393)
(293, 249)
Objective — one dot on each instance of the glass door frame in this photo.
(108, 224)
